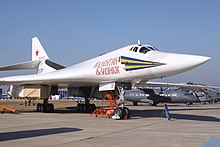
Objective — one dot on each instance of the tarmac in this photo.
(189, 126)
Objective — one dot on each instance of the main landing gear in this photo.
(85, 108)
(45, 107)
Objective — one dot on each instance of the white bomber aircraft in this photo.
(114, 71)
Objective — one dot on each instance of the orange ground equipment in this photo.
(8, 109)
(106, 112)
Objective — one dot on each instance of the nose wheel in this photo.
(121, 113)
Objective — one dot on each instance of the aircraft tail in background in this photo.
(40, 60)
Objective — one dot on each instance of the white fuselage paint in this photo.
(108, 68)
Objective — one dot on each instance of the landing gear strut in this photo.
(45, 107)
(121, 112)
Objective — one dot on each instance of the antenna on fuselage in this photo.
(139, 42)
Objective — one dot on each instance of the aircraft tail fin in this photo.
(38, 52)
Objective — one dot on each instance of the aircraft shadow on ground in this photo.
(190, 109)
(62, 110)
(159, 113)
(195, 117)
(6, 136)
(154, 113)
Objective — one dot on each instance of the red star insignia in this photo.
(37, 52)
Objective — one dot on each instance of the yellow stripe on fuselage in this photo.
(133, 66)
(138, 62)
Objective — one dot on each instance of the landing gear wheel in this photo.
(153, 104)
(189, 104)
(119, 112)
(127, 113)
(45, 107)
(92, 107)
(83, 108)
(50, 107)
(38, 107)
(79, 107)
(135, 103)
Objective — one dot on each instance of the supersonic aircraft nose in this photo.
(178, 63)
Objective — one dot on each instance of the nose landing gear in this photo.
(114, 111)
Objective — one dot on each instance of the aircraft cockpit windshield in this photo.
(152, 48)
(143, 49)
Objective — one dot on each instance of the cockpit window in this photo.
(152, 48)
(135, 49)
(144, 50)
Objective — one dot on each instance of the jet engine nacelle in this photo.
(29, 91)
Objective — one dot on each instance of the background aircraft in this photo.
(114, 71)
(187, 95)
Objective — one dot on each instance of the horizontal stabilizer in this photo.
(21, 66)
(54, 65)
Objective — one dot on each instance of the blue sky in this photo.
(72, 31)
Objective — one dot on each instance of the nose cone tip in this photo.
(177, 63)
(203, 59)
(187, 62)
(208, 58)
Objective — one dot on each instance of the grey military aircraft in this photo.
(208, 95)
(153, 96)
